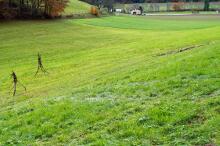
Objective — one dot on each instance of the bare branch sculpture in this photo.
(40, 65)
(15, 82)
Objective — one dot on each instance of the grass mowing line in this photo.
(144, 59)
(155, 64)
(140, 61)
(99, 76)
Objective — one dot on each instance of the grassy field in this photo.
(112, 81)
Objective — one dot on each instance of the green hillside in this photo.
(112, 81)
(77, 7)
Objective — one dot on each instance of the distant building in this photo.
(118, 10)
(136, 12)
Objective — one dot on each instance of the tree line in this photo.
(110, 3)
(31, 8)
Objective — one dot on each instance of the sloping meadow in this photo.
(108, 83)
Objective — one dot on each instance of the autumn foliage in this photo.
(53, 8)
(178, 6)
(31, 8)
(94, 11)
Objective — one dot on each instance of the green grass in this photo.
(106, 83)
(77, 7)
(143, 23)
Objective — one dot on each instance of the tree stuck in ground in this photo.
(31, 8)
(40, 65)
(15, 82)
